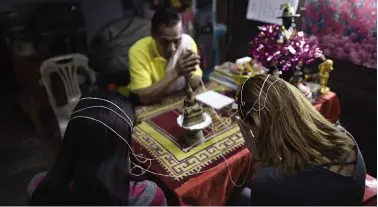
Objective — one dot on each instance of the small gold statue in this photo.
(193, 112)
(324, 69)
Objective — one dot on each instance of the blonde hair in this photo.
(290, 131)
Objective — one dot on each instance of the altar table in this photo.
(200, 176)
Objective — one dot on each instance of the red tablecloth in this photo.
(213, 187)
(329, 106)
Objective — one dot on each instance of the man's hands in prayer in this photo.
(187, 63)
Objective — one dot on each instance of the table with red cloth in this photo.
(204, 174)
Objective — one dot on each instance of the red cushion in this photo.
(370, 198)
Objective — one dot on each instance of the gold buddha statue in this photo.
(193, 112)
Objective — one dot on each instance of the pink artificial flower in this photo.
(345, 39)
(313, 40)
(354, 23)
(365, 56)
(356, 11)
(332, 7)
(353, 36)
(324, 38)
(371, 63)
(363, 31)
(338, 37)
(345, 6)
(354, 58)
(328, 39)
(304, 27)
(348, 47)
(327, 52)
(343, 15)
(328, 19)
(372, 48)
(339, 53)
(321, 3)
(338, 29)
(314, 30)
(373, 18)
(366, 4)
(322, 10)
(328, 30)
(367, 48)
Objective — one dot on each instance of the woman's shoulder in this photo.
(264, 177)
(146, 193)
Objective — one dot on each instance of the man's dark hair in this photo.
(166, 17)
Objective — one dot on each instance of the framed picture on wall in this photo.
(346, 29)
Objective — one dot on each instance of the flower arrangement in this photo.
(346, 29)
(283, 56)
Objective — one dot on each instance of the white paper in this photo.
(268, 10)
(214, 99)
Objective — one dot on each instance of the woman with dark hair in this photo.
(303, 159)
(93, 165)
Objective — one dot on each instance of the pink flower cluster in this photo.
(285, 56)
(346, 29)
(344, 48)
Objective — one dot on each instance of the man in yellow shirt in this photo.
(159, 63)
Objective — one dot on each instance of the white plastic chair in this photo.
(66, 67)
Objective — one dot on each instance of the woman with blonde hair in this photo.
(303, 159)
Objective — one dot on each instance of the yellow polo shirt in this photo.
(147, 66)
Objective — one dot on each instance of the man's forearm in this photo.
(157, 90)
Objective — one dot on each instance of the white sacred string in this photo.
(100, 99)
(258, 99)
(123, 139)
(144, 170)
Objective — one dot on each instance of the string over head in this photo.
(100, 99)
(258, 99)
(90, 107)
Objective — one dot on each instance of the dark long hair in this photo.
(91, 166)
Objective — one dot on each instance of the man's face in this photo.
(168, 39)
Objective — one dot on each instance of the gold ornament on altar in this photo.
(244, 69)
(324, 69)
(193, 119)
(193, 112)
